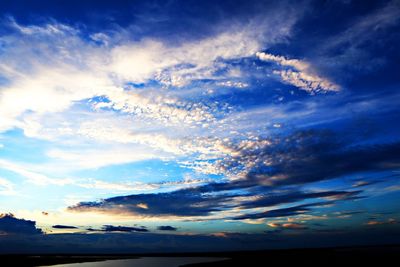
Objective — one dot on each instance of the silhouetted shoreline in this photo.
(310, 256)
(49, 260)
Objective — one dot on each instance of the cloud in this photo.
(283, 212)
(289, 226)
(67, 69)
(388, 221)
(347, 214)
(143, 187)
(119, 229)
(355, 49)
(6, 187)
(118, 100)
(92, 158)
(307, 156)
(214, 200)
(367, 27)
(59, 226)
(263, 165)
(362, 183)
(183, 202)
(68, 81)
(111, 228)
(46, 30)
(299, 74)
(290, 197)
(32, 176)
(11, 225)
(393, 188)
(166, 228)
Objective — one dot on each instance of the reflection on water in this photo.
(144, 262)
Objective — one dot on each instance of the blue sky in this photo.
(267, 122)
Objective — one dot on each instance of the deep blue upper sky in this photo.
(185, 123)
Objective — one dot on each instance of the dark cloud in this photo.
(190, 202)
(284, 212)
(180, 203)
(281, 163)
(58, 226)
(310, 156)
(270, 199)
(111, 228)
(11, 225)
(367, 182)
(166, 228)
(304, 157)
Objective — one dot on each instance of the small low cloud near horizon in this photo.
(198, 126)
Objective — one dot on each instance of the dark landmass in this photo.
(312, 257)
(360, 256)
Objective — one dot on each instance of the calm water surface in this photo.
(144, 262)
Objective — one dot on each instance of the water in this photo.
(144, 262)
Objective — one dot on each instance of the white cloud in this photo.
(295, 63)
(117, 133)
(35, 177)
(67, 70)
(6, 187)
(48, 29)
(142, 187)
(300, 74)
(32, 176)
(75, 91)
(60, 69)
(233, 84)
(97, 158)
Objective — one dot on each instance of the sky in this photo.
(170, 126)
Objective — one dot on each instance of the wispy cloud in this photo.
(68, 69)
(34, 177)
(300, 74)
(351, 49)
(207, 202)
(6, 187)
(388, 221)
